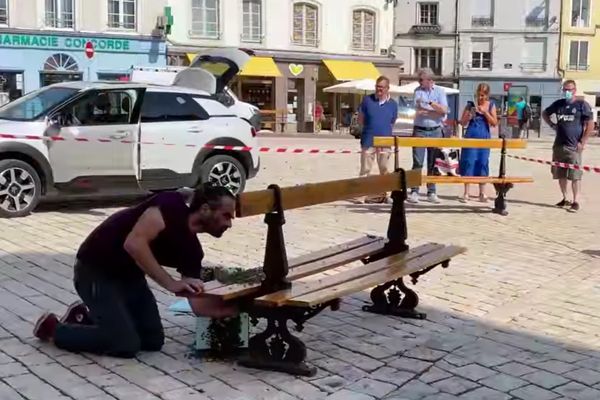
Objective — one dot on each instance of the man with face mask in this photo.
(119, 315)
(574, 123)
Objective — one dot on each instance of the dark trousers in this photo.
(124, 314)
(419, 155)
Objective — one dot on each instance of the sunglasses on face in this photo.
(381, 87)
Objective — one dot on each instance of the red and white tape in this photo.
(586, 168)
(206, 146)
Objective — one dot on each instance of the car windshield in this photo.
(35, 104)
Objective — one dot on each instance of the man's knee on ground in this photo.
(124, 346)
(153, 342)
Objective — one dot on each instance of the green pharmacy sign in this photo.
(45, 42)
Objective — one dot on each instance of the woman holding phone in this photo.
(478, 117)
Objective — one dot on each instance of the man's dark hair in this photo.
(382, 79)
(209, 194)
(569, 82)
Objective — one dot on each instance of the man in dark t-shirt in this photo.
(119, 315)
(574, 123)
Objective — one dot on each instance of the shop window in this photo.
(59, 13)
(3, 12)
(580, 13)
(252, 20)
(578, 55)
(168, 107)
(363, 30)
(60, 62)
(306, 22)
(122, 14)
(205, 19)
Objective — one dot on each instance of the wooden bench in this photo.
(502, 183)
(285, 295)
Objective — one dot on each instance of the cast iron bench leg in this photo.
(276, 349)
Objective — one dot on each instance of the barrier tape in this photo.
(206, 146)
(586, 168)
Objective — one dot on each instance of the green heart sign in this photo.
(296, 69)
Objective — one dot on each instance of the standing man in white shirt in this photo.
(431, 106)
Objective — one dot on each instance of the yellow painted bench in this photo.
(502, 183)
(291, 289)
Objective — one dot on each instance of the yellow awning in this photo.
(257, 66)
(261, 66)
(344, 70)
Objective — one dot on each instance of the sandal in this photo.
(483, 198)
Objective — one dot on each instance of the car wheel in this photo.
(225, 171)
(20, 188)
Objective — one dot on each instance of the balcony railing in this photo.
(482, 21)
(533, 66)
(485, 66)
(426, 29)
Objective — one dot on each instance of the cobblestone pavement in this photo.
(515, 317)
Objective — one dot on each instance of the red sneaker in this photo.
(77, 313)
(45, 327)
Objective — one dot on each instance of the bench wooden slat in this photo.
(333, 250)
(383, 141)
(230, 292)
(314, 256)
(476, 179)
(263, 201)
(395, 267)
(301, 288)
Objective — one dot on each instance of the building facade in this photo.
(425, 37)
(43, 41)
(300, 47)
(512, 45)
(579, 57)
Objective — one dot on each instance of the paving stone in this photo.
(410, 365)
(434, 374)
(484, 393)
(392, 375)
(8, 393)
(184, 394)
(474, 372)
(454, 385)
(577, 391)
(345, 394)
(372, 387)
(516, 369)
(330, 384)
(414, 389)
(557, 367)
(545, 379)
(425, 354)
(532, 392)
(503, 382)
(585, 376)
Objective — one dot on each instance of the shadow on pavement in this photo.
(88, 204)
(450, 352)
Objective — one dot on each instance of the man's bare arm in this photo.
(137, 244)
(587, 131)
(547, 120)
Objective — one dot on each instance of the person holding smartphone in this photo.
(119, 315)
(478, 117)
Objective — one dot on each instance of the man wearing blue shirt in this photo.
(431, 107)
(573, 126)
(521, 105)
(378, 113)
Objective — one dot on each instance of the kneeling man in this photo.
(119, 315)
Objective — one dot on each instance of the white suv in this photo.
(90, 136)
